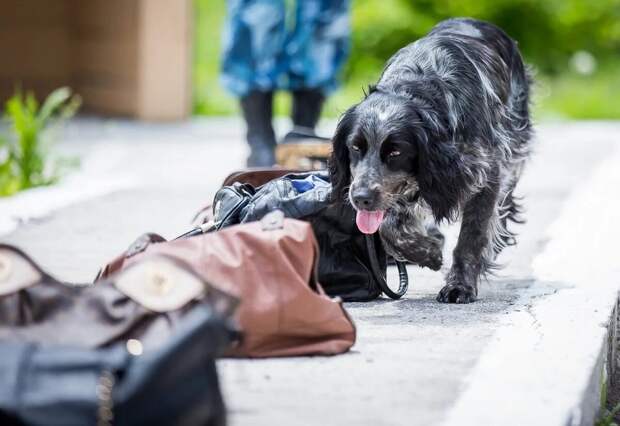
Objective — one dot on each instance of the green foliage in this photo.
(209, 96)
(549, 33)
(608, 417)
(24, 154)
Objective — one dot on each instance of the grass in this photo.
(25, 159)
(608, 417)
(577, 96)
(566, 95)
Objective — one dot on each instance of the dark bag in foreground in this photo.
(271, 266)
(138, 348)
(352, 265)
(174, 384)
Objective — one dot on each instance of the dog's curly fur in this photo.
(444, 133)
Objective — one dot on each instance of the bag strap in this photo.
(216, 225)
(403, 276)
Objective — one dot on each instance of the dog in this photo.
(444, 134)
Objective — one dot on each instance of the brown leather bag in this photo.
(145, 302)
(271, 266)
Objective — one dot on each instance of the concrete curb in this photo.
(551, 360)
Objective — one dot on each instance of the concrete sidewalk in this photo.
(513, 357)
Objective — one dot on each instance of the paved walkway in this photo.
(416, 362)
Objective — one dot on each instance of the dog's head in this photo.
(389, 149)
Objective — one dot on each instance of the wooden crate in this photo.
(124, 57)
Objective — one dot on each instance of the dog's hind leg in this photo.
(509, 211)
(470, 257)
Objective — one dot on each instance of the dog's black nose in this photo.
(364, 198)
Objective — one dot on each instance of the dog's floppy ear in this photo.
(339, 162)
(441, 178)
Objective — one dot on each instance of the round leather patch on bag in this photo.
(16, 272)
(159, 284)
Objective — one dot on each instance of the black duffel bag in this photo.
(352, 265)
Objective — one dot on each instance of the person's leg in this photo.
(315, 53)
(254, 37)
(257, 109)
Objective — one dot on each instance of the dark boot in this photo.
(307, 105)
(257, 109)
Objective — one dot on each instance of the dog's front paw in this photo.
(433, 259)
(457, 293)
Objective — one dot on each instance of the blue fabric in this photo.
(262, 51)
(309, 183)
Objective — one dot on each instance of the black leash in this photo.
(403, 276)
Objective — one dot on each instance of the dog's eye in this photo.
(394, 154)
(355, 148)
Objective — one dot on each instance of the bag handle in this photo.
(403, 276)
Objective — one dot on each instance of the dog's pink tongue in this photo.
(368, 222)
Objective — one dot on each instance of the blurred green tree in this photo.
(549, 31)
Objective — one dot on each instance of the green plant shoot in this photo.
(25, 160)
